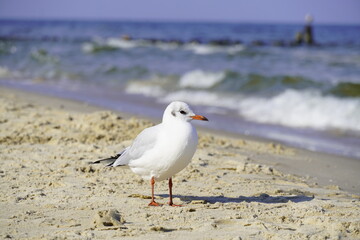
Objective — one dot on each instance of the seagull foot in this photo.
(155, 204)
(174, 205)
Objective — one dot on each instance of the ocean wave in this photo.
(330, 56)
(42, 56)
(346, 89)
(112, 43)
(292, 108)
(303, 109)
(94, 47)
(166, 46)
(148, 90)
(260, 84)
(205, 49)
(201, 97)
(4, 72)
(236, 82)
(201, 79)
(7, 48)
(292, 101)
(155, 86)
(257, 84)
(121, 43)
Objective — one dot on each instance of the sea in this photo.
(246, 78)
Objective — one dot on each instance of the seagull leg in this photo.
(153, 203)
(170, 194)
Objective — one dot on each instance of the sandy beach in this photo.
(233, 189)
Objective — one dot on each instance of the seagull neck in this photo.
(174, 121)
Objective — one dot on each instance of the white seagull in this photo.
(161, 151)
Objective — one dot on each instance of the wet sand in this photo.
(233, 189)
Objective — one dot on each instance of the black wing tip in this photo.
(112, 158)
(98, 161)
(110, 164)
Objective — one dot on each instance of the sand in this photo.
(50, 191)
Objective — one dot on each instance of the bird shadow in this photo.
(262, 198)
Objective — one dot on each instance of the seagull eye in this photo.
(182, 112)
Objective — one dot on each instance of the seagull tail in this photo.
(109, 160)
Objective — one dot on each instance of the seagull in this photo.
(161, 151)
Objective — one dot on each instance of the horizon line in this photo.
(172, 20)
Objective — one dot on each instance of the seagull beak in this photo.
(199, 117)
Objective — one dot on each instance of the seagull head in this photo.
(181, 111)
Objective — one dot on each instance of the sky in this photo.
(277, 11)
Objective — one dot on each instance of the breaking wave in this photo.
(201, 79)
(303, 109)
(111, 44)
(205, 49)
(291, 101)
(292, 107)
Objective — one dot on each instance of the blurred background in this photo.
(282, 70)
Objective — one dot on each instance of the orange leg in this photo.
(170, 193)
(153, 203)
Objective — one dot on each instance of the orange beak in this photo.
(199, 117)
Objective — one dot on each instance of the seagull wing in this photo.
(144, 142)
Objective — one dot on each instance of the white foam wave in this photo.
(201, 79)
(149, 90)
(304, 109)
(197, 48)
(87, 47)
(203, 49)
(111, 43)
(292, 108)
(121, 43)
(4, 72)
(201, 98)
